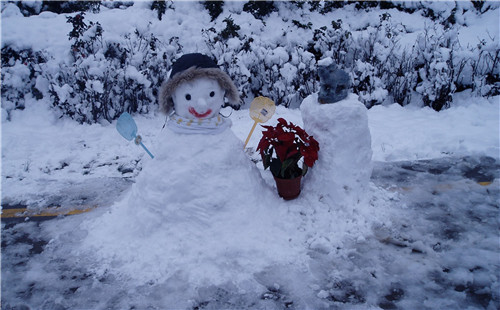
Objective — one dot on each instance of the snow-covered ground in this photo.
(428, 238)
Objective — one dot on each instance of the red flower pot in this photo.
(288, 189)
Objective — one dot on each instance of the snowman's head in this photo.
(334, 84)
(197, 88)
(199, 98)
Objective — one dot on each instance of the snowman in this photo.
(195, 212)
(339, 122)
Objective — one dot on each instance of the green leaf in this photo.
(266, 159)
(275, 167)
(286, 165)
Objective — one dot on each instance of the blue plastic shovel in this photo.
(127, 127)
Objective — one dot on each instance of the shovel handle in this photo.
(146, 149)
(138, 141)
(250, 134)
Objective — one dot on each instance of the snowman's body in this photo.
(342, 173)
(192, 174)
(198, 204)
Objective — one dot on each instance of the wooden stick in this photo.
(250, 134)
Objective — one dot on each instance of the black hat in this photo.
(196, 60)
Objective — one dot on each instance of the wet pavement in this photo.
(482, 170)
(452, 206)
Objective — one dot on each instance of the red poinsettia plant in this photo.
(283, 146)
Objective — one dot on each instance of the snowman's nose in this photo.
(202, 103)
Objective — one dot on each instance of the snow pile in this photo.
(344, 168)
(199, 210)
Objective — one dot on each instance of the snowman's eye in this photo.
(188, 97)
(212, 94)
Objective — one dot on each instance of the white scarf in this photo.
(213, 125)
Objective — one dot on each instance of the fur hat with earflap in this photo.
(190, 67)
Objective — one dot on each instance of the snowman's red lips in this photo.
(199, 115)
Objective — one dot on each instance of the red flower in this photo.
(286, 136)
(290, 143)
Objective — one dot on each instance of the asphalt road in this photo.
(434, 187)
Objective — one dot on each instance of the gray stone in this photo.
(334, 84)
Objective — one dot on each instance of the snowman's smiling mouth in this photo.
(199, 115)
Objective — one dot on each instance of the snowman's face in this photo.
(200, 98)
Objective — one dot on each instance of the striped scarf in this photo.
(213, 125)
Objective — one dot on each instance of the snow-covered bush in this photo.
(277, 55)
(485, 68)
(161, 7)
(367, 84)
(483, 6)
(108, 78)
(259, 9)
(435, 51)
(29, 8)
(284, 73)
(214, 8)
(20, 70)
(335, 42)
(401, 78)
(375, 54)
(87, 39)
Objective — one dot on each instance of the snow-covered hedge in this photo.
(105, 77)
(102, 79)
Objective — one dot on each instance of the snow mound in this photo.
(342, 172)
(201, 209)
(201, 213)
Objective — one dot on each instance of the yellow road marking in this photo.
(23, 212)
(484, 183)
